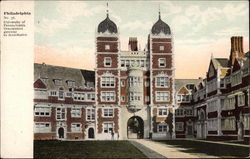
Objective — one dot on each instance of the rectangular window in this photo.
(179, 112)
(76, 127)
(79, 96)
(127, 63)
(162, 96)
(122, 83)
(53, 93)
(58, 82)
(108, 81)
(108, 127)
(162, 82)
(107, 47)
(76, 112)
(61, 95)
(108, 112)
(179, 126)
(178, 98)
(162, 128)
(241, 100)
(60, 113)
(90, 114)
(42, 111)
(161, 48)
(142, 63)
(162, 62)
(107, 61)
(162, 111)
(123, 99)
(71, 83)
(147, 98)
(134, 96)
(42, 127)
(107, 96)
(122, 63)
(90, 97)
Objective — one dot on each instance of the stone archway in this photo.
(135, 128)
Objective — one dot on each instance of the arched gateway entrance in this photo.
(135, 128)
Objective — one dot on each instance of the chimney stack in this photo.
(132, 44)
(236, 48)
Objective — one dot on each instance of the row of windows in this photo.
(183, 98)
(59, 82)
(228, 124)
(162, 96)
(138, 63)
(230, 102)
(182, 112)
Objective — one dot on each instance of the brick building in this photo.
(133, 93)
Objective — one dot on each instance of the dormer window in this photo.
(58, 82)
(162, 62)
(107, 61)
(161, 48)
(71, 83)
(107, 47)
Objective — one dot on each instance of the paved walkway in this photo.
(219, 142)
(165, 150)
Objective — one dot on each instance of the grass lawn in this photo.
(85, 149)
(220, 150)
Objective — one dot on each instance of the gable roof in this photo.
(61, 73)
(39, 84)
(183, 82)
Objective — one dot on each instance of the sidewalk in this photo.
(167, 150)
(219, 142)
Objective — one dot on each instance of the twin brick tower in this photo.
(137, 84)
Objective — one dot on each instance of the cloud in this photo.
(135, 25)
(231, 11)
(68, 12)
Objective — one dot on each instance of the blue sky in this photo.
(200, 28)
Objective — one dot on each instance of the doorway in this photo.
(91, 133)
(241, 131)
(61, 133)
(135, 128)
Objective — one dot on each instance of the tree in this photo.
(169, 121)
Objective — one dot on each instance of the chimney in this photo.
(236, 48)
(132, 44)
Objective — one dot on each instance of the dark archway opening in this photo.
(91, 133)
(61, 132)
(135, 128)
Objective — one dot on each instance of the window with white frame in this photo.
(107, 47)
(212, 106)
(147, 98)
(212, 124)
(107, 62)
(42, 111)
(142, 63)
(179, 126)
(162, 82)
(162, 112)
(107, 127)
(162, 62)
(60, 113)
(71, 83)
(134, 81)
(58, 82)
(162, 128)
(127, 63)
(108, 112)
(222, 83)
(179, 112)
(108, 96)
(123, 99)
(122, 63)
(79, 96)
(162, 96)
(108, 81)
(247, 121)
(53, 93)
(76, 112)
(91, 114)
(134, 96)
(229, 103)
(146, 83)
(161, 48)
(241, 99)
(42, 127)
(76, 127)
(122, 83)
(183, 98)
(61, 94)
(90, 96)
